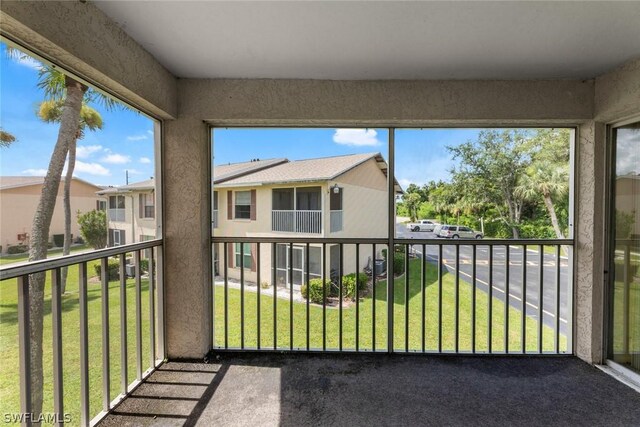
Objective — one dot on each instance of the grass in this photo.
(12, 259)
(9, 379)
(366, 324)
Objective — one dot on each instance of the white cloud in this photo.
(116, 159)
(27, 61)
(628, 152)
(145, 160)
(85, 151)
(134, 172)
(150, 132)
(35, 172)
(91, 168)
(137, 137)
(356, 137)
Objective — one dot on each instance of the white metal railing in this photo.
(214, 219)
(335, 220)
(116, 214)
(297, 221)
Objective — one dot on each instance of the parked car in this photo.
(458, 232)
(422, 225)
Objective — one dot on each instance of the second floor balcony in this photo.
(297, 221)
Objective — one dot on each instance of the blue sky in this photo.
(124, 143)
(421, 154)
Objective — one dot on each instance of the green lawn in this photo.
(9, 380)
(366, 323)
(51, 253)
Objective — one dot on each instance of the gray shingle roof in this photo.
(222, 173)
(320, 169)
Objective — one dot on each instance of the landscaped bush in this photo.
(144, 265)
(314, 292)
(534, 230)
(349, 284)
(113, 268)
(58, 240)
(17, 249)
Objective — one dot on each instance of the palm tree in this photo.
(547, 180)
(71, 94)
(6, 139)
(51, 112)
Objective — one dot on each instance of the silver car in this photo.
(458, 232)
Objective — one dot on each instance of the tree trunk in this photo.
(552, 213)
(66, 247)
(40, 231)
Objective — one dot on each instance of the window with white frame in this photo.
(147, 205)
(243, 250)
(242, 205)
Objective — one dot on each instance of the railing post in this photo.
(56, 323)
(106, 384)
(84, 347)
(391, 231)
(24, 334)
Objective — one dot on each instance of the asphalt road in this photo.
(534, 286)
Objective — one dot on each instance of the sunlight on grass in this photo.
(366, 320)
(9, 380)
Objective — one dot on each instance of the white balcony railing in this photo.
(214, 219)
(297, 221)
(336, 221)
(116, 214)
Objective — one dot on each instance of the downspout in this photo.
(133, 221)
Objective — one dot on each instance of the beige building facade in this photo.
(332, 197)
(131, 212)
(19, 197)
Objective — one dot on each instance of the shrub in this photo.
(17, 249)
(113, 268)
(398, 260)
(144, 265)
(265, 285)
(349, 284)
(58, 240)
(314, 292)
(93, 228)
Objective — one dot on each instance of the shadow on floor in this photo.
(294, 390)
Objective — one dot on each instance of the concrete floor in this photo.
(368, 390)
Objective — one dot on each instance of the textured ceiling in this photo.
(383, 40)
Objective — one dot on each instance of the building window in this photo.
(147, 205)
(117, 237)
(101, 205)
(116, 208)
(244, 252)
(243, 205)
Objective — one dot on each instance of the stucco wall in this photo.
(617, 94)
(187, 247)
(384, 102)
(18, 205)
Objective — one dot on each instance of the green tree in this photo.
(411, 202)
(93, 228)
(547, 181)
(490, 169)
(51, 112)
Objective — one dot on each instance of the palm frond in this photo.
(6, 139)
